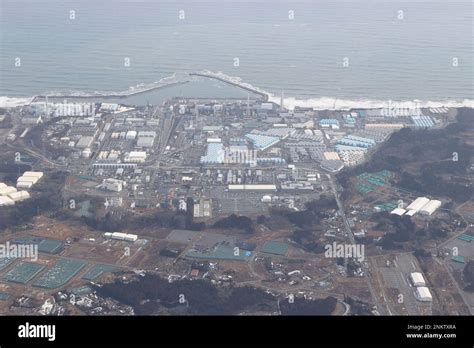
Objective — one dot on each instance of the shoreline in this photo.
(316, 103)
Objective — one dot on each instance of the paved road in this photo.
(380, 306)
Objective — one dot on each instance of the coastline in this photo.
(317, 103)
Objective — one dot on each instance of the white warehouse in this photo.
(252, 187)
(422, 293)
(418, 203)
(417, 279)
(136, 157)
(430, 207)
(121, 236)
(398, 211)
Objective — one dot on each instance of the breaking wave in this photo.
(328, 103)
(320, 103)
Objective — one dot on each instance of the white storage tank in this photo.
(5, 200)
(38, 175)
(31, 179)
(5, 191)
(266, 199)
(24, 184)
(19, 196)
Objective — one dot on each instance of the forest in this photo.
(153, 294)
(433, 162)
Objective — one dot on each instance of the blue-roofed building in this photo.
(271, 160)
(341, 147)
(361, 139)
(352, 140)
(350, 121)
(262, 142)
(422, 121)
(360, 112)
(329, 122)
(214, 155)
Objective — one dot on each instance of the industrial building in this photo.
(398, 211)
(19, 196)
(252, 187)
(329, 123)
(38, 175)
(262, 142)
(422, 121)
(422, 293)
(6, 190)
(114, 165)
(281, 131)
(352, 140)
(214, 154)
(417, 279)
(113, 185)
(28, 179)
(430, 207)
(202, 208)
(269, 160)
(418, 203)
(111, 107)
(136, 157)
(121, 236)
(423, 206)
(5, 200)
(331, 156)
(297, 186)
(394, 126)
(131, 135)
(146, 139)
(210, 129)
(85, 142)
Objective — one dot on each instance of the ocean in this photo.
(324, 53)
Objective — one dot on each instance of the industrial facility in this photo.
(421, 205)
(121, 236)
